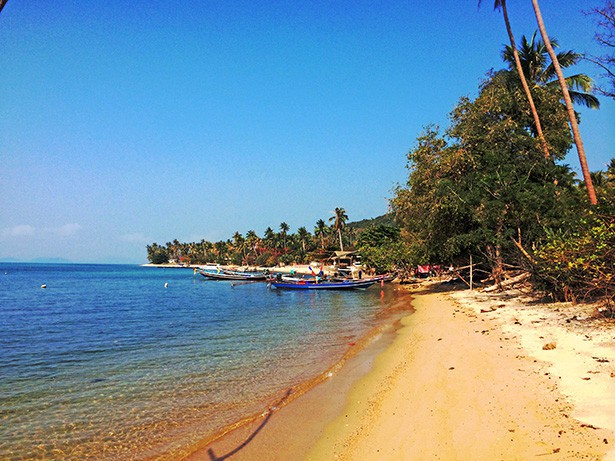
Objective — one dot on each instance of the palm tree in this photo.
(599, 178)
(320, 229)
(269, 237)
(502, 4)
(284, 228)
(252, 241)
(340, 217)
(533, 55)
(239, 245)
(571, 114)
(610, 171)
(303, 234)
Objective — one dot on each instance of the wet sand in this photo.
(465, 378)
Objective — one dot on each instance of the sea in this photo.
(111, 362)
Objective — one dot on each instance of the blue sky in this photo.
(130, 122)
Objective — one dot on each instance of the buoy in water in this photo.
(43, 286)
(166, 285)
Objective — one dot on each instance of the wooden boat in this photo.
(225, 274)
(325, 285)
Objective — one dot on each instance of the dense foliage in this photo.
(486, 181)
(283, 247)
(578, 262)
(485, 188)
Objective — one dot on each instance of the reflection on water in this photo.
(107, 363)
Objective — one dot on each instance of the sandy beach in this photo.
(468, 376)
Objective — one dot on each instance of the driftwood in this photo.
(509, 282)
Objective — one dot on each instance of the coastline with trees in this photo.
(489, 373)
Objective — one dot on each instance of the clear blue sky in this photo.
(128, 122)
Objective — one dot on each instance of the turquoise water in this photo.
(107, 363)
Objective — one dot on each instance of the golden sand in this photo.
(465, 378)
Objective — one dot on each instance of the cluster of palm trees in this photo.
(554, 69)
(270, 249)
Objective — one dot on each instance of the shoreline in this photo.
(292, 422)
(465, 377)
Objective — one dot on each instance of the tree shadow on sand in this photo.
(214, 457)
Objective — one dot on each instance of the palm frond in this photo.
(580, 82)
(497, 4)
(565, 59)
(580, 98)
(584, 99)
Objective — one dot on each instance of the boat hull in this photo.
(233, 276)
(345, 285)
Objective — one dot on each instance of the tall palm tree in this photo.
(252, 241)
(303, 235)
(284, 228)
(320, 230)
(269, 237)
(534, 57)
(569, 107)
(543, 142)
(239, 245)
(339, 221)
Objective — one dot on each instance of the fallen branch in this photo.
(522, 250)
(509, 282)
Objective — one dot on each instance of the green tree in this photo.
(284, 228)
(269, 238)
(252, 242)
(487, 182)
(157, 254)
(320, 230)
(303, 235)
(239, 248)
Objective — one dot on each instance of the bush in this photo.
(580, 264)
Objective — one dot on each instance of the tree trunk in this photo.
(526, 88)
(339, 232)
(571, 115)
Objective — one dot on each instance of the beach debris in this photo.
(43, 286)
(589, 426)
(600, 359)
(549, 346)
(488, 309)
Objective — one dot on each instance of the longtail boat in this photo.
(225, 274)
(324, 285)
